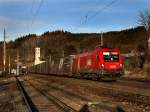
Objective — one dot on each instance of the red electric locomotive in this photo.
(103, 63)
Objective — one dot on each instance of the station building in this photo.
(37, 56)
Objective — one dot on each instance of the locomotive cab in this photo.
(102, 63)
(111, 64)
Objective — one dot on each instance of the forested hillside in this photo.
(59, 43)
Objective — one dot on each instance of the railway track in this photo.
(11, 96)
(75, 98)
(126, 91)
(133, 83)
(30, 105)
(144, 80)
(106, 92)
(62, 107)
(123, 82)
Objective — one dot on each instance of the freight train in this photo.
(99, 64)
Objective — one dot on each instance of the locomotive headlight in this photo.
(102, 65)
(120, 65)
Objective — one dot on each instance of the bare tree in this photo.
(144, 19)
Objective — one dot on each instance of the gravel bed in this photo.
(99, 92)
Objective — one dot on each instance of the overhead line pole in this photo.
(102, 43)
(4, 52)
(9, 65)
(17, 71)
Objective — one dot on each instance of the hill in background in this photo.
(59, 43)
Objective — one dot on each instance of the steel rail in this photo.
(55, 100)
(30, 105)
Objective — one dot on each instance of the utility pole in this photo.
(17, 63)
(102, 39)
(50, 59)
(4, 52)
(61, 60)
(9, 65)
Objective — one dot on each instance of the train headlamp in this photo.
(120, 65)
(102, 65)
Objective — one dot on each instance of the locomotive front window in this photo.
(111, 56)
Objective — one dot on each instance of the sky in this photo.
(21, 17)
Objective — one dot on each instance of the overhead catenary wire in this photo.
(89, 17)
(33, 17)
(31, 13)
(32, 6)
(37, 11)
(102, 9)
